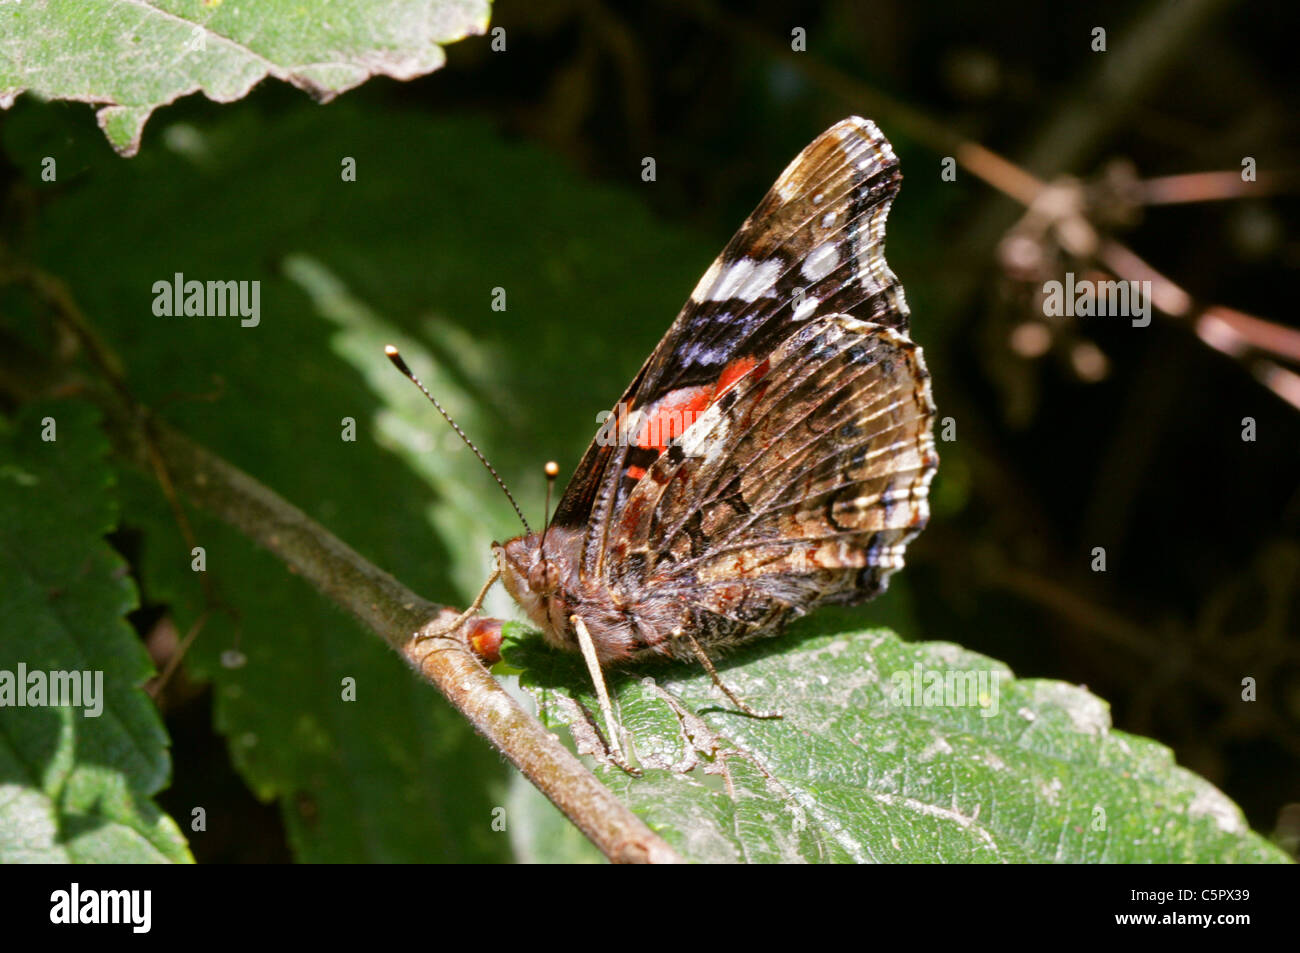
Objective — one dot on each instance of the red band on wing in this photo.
(734, 372)
(672, 416)
(675, 412)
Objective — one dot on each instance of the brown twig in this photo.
(1208, 187)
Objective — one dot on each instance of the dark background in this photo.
(1120, 437)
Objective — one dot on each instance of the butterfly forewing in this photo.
(814, 245)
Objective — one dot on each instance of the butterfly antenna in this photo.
(552, 470)
(400, 364)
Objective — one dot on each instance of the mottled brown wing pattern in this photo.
(801, 486)
(813, 246)
(804, 467)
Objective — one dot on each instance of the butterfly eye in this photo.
(537, 576)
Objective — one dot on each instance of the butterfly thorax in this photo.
(550, 588)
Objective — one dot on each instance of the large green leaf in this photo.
(995, 769)
(75, 782)
(129, 58)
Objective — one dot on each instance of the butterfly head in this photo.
(543, 581)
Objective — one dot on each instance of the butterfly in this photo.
(773, 454)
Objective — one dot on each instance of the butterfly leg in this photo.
(713, 674)
(612, 727)
(444, 631)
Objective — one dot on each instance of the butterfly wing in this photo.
(814, 246)
(802, 485)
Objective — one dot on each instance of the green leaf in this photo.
(75, 782)
(131, 58)
(1013, 770)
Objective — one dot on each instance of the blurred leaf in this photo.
(131, 58)
(995, 769)
(75, 782)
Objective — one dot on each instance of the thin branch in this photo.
(1209, 187)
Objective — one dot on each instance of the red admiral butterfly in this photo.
(772, 455)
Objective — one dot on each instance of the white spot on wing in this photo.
(821, 261)
(762, 282)
(705, 438)
(707, 280)
(806, 307)
(747, 280)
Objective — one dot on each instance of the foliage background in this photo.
(521, 169)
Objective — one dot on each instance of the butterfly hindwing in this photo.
(802, 485)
